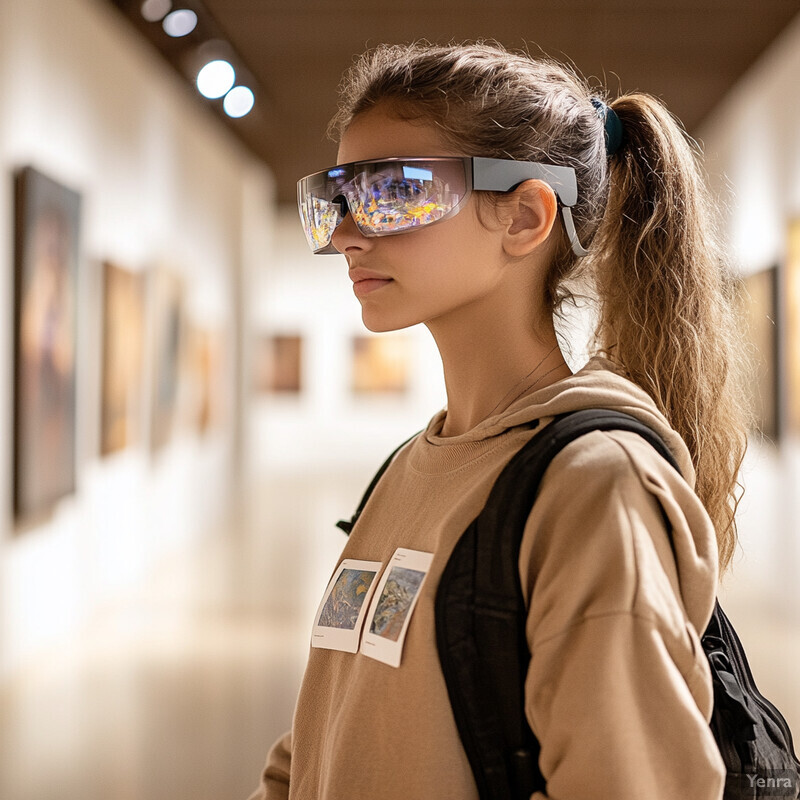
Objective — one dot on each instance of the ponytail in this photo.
(666, 312)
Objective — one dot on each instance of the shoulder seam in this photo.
(624, 446)
(618, 446)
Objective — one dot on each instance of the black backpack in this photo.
(480, 631)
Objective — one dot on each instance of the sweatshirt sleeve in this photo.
(275, 776)
(618, 690)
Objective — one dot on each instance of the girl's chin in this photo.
(383, 323)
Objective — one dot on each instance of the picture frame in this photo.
(380, 365)
(761, 310)
(167, 299)
(205, 369)
(791, 339)
(47, 218)
(278, 363)
(122, 359)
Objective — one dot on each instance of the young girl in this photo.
(473, 186)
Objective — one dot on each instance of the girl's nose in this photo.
(347, 235)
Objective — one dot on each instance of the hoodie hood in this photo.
(599, 384)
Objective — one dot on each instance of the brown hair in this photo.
(666, 315)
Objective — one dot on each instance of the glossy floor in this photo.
(176, 693)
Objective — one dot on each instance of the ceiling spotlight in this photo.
(215, 79)
(180, 22)
(154, 10)
(238, 102)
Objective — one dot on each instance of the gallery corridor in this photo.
(191, 398)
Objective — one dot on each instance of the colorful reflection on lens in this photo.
(320, 219)
(383, 197)
(387, 203)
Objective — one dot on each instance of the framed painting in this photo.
(123, 356)
(381, 364)
(759, 298)
(278, 364)
(47, 228)
(792, 338)
(168, 336)
(205, 353)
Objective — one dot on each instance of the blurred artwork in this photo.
(167, 299)
(793, 326)
(381, 364)
(278, 364)
(205, 353)
(47, 217)
(123, 355)
(759, 298)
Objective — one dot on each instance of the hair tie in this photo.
(612, 125)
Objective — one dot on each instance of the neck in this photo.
(488, 366)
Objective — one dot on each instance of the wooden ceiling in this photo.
(688, 52)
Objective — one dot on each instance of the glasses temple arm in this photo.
(498, 174)
(569, 225)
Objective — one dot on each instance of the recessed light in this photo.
(180, 23)
(215, 79)
(154, 10)
(238, 102)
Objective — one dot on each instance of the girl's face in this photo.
(433, 272)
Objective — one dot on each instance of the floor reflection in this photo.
(178, 691)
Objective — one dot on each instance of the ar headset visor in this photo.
(396, 195)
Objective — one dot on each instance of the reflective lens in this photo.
(320, 219)
(384, 197)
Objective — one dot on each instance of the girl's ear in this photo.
(528, 215)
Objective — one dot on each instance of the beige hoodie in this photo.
(618, 691)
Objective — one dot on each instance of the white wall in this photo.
(325, 426)
(753, 156)
(163, 183)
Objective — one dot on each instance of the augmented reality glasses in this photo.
(396, 195)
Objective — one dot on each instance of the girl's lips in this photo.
(360, 288)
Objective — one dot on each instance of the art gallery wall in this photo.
(325, 425)
(163, 185)
(753, 157)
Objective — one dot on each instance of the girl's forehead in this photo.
(378, 134)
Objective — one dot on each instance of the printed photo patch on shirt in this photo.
(340, 616)
(393, 605)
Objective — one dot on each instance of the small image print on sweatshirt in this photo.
(398, 593)
(393, 605)
(346, 599)
(340, 616)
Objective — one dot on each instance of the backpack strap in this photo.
(480, 613)
(347, 525)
